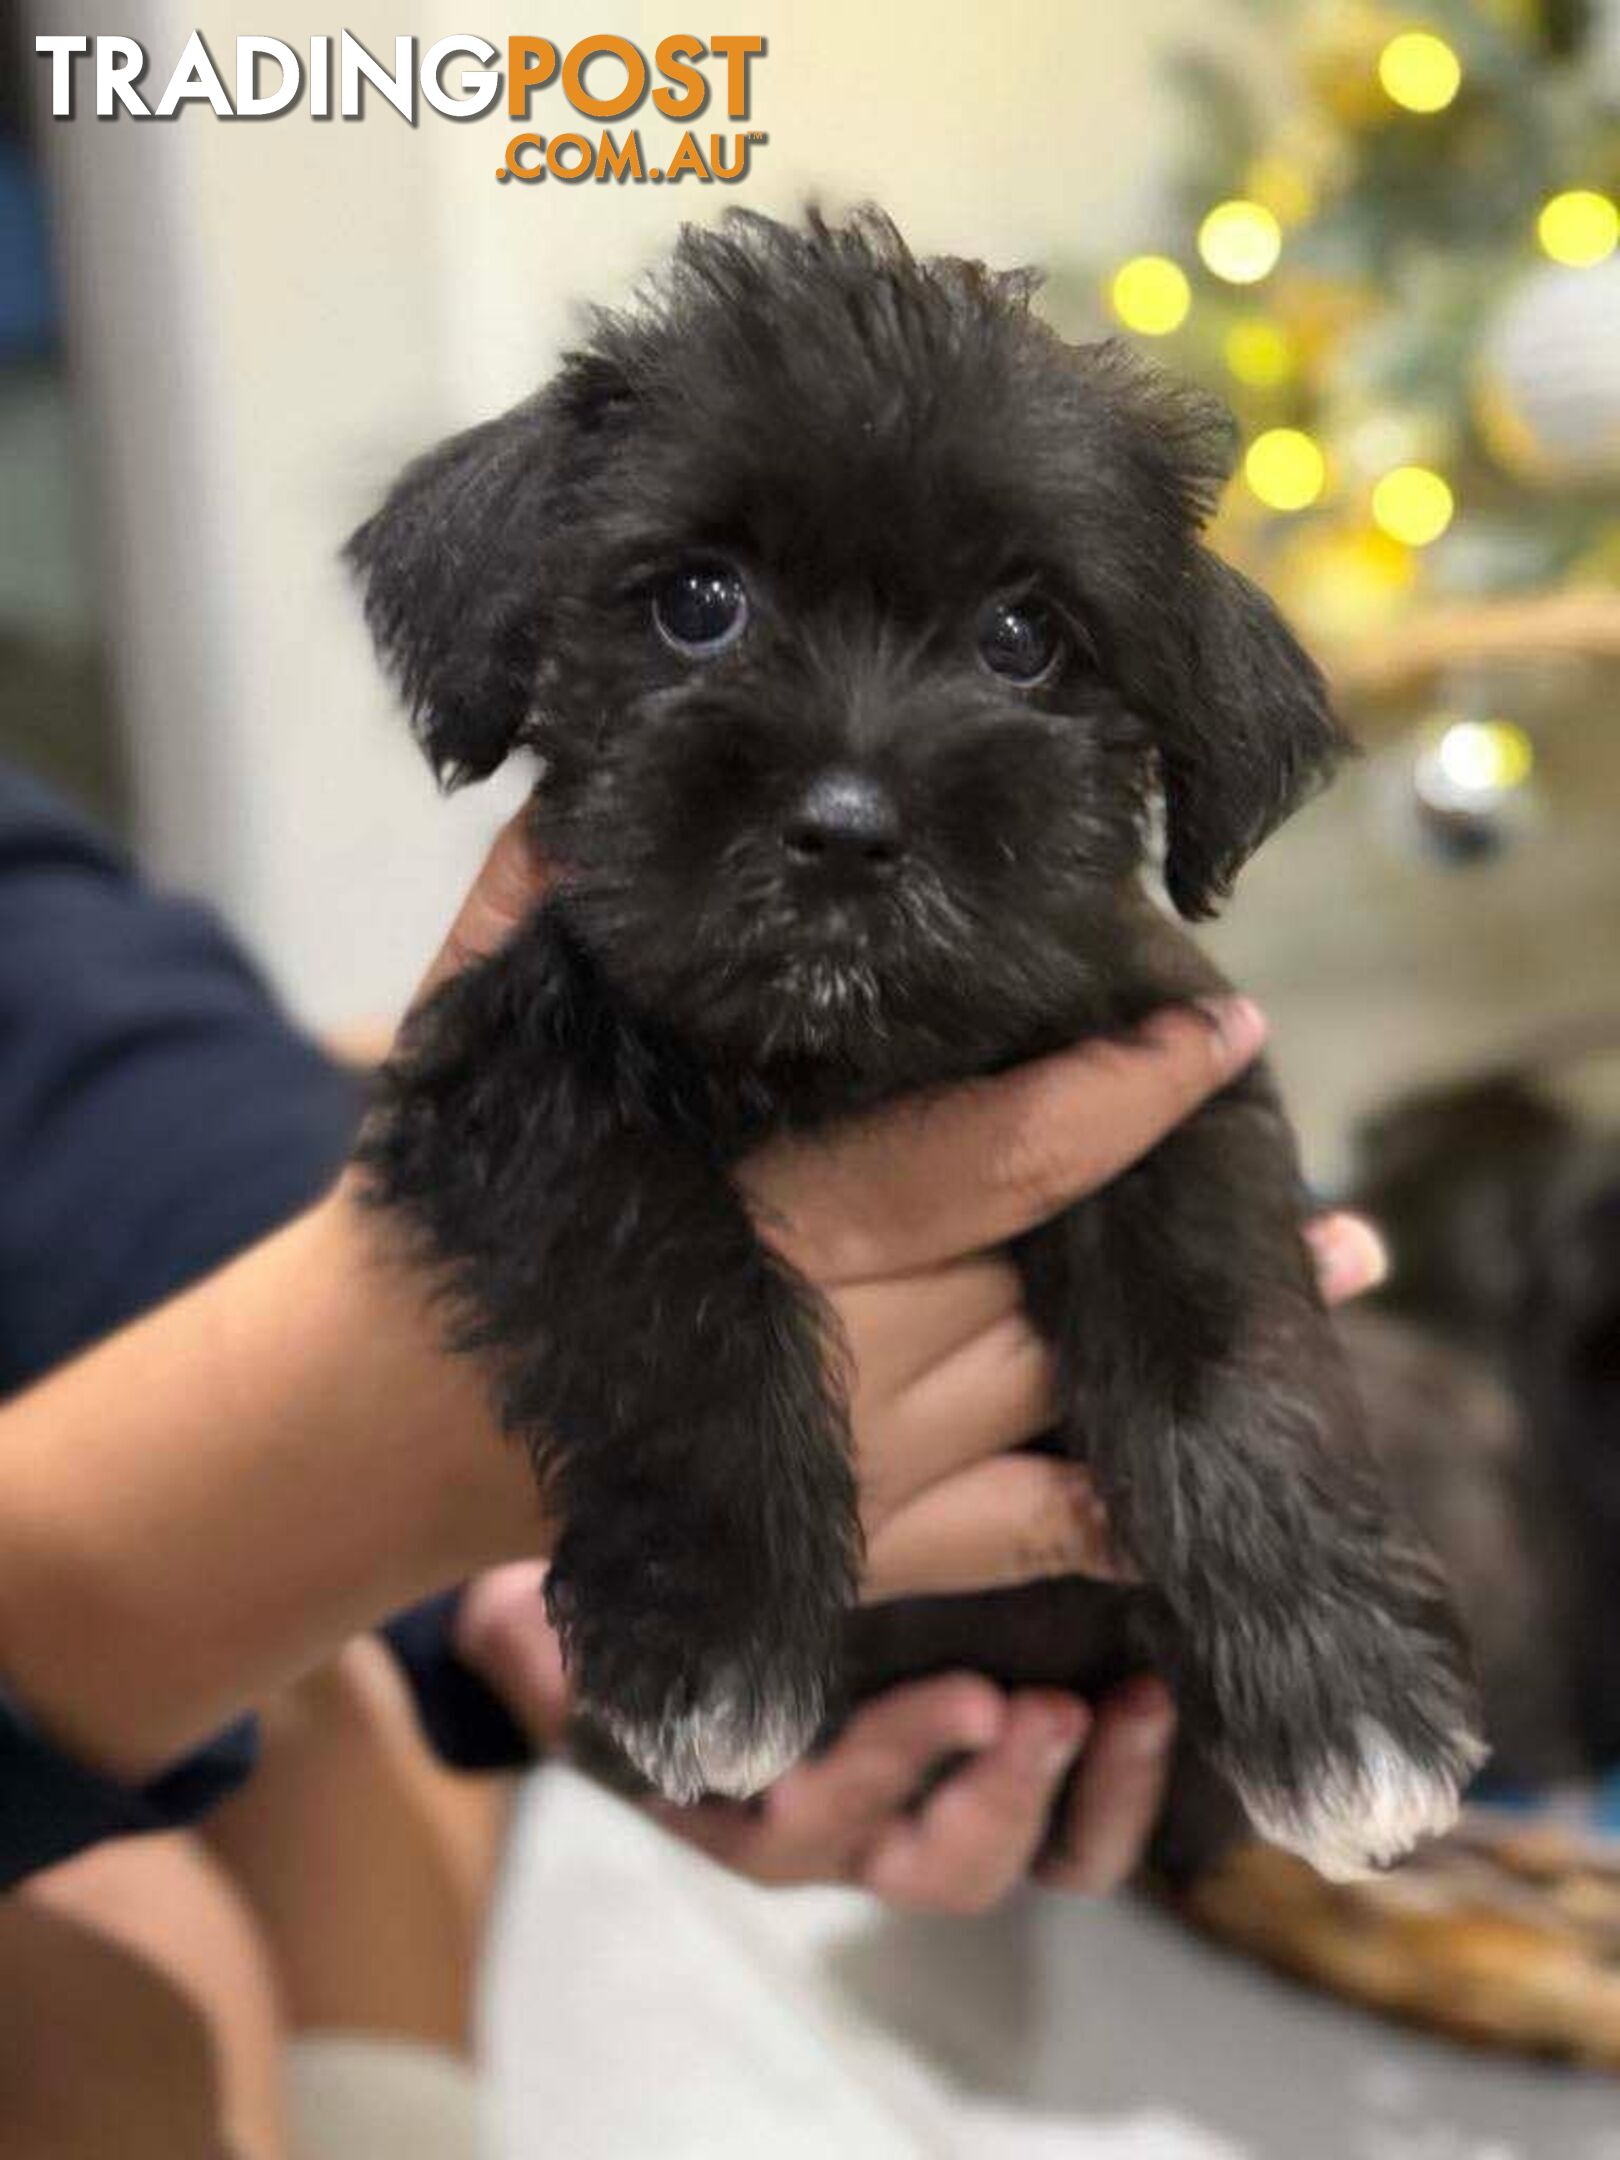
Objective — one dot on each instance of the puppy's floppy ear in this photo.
(1240, 711)
(452, 566)
(1245, 733)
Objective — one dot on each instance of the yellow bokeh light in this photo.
(1258, 352)
(1419, 71)
(1285, 469)
(1150, 293)
(1240, 241)
(1413, 505)
(1579, 228)
(1483, 757)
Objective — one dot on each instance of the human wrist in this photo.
(466, 1496)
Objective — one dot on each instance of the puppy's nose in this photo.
(845, 822)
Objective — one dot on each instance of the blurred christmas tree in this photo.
(1407, 285)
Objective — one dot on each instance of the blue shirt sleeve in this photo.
(158, 1113)
(52, 1806)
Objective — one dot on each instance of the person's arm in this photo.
(208, 1502)
(159, 1114)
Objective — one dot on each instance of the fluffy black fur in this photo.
(879, 447)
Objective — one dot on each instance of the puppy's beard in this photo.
(822, 1003)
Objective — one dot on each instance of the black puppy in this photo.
(857, 623)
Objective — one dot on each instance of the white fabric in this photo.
(643, 2005)
(356, 2097)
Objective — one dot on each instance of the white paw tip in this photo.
(722, 1745)
(1365, 1811)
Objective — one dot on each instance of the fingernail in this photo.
(1350, 1255)
(1094, 1552)
(1061, 1752)
(1091, 1520)
(1150, 1734)
(979, 1718)
(1065, 1729)
(1240, 1028)
(1150, 1717)
(891, 1871)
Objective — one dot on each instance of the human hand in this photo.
(846, 1815)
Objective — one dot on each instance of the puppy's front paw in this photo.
(1349, 1719)
(1364, 1805)
(724, 1736)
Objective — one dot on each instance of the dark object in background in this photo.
(1503, 1216)
(856, 621)
(56, 707)
(1454, 1444)
(56, 716)
(28, 311)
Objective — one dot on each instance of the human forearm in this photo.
(211, 1500)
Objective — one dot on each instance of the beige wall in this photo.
(270, 315)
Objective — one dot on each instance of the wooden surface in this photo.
(1506, 1937)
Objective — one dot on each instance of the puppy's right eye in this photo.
(701, 609)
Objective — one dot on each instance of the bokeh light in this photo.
(1579, 227)
(1470, 787)
(1485, 756)
(1419, 71)
(1240, 241)
(1412, 504)
(1258, 352)
(1285, 469)
(1150, 294)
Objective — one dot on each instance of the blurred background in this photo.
(1388, 236)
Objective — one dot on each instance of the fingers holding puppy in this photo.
(971, 1841)
(967, 1169)
(1118, 1789)
(511, 884)
(949, 1503)
(1012, 1519)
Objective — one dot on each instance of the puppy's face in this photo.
(832, 753)
(856, 621)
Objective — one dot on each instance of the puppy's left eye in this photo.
(701, 609)
(1023, 640)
